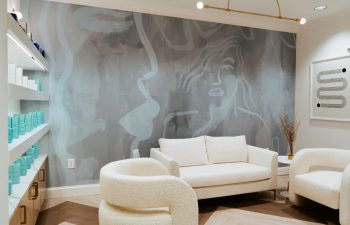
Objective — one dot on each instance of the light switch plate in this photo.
(71, 163)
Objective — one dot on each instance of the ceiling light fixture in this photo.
(320, 8)
(201, 5)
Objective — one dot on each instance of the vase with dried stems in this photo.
(290, 130)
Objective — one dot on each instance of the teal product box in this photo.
(9, 135)
(28, 122)
(36, 145)
(22, 118)
(34, 120)
(15, 121)
(16, 168)
(23, 166)
(9, 122)
(23, 172)
(29, 162)
(16, 173)
(22, 129)
(10, 187)
(36, 149)
(38, 83)
(30, 153)
(11, 169)
(41, 117)
(22, 125)
(15, 133)
(35, 153)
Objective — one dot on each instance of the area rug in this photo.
(242, 217)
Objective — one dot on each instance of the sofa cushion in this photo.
(187, 152)
(320, 186)
(224, 173)
(226, 149)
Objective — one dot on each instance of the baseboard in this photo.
(73, 191)
(283, 171)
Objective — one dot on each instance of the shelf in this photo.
(21, 50)
(19, 146)
(21, 93)
(19, 190)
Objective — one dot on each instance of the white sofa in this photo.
(219, 166)
(141, 192)
(322, 175)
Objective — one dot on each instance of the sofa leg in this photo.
(274, 194)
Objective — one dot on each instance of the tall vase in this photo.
(291, 151)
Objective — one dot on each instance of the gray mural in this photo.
(119, 81)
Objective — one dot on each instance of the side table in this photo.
(284, 160)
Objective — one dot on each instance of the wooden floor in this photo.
(77, 214)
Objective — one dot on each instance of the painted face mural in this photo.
(119, 81)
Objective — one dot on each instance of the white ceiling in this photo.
(187, 9)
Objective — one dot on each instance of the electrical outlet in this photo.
(71, 163)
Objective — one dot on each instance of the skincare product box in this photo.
(12, 73)
(19, 76)
(25, 82)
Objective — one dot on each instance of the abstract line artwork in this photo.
(330, 90)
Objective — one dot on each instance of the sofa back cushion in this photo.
(226, 149)
(187, 152)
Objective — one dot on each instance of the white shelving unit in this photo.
(19, 146)
(19, 190)
(21, 93)
(3, 114)
(22, 52)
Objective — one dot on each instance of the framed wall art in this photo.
(330, 89)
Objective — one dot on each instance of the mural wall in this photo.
(119, 81)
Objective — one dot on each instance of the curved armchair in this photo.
(322, 175)
(141, 191)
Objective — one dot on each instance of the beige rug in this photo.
(242, 217)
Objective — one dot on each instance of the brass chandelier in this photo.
(201, 5)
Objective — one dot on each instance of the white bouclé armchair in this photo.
(141, 192)
(322, 175)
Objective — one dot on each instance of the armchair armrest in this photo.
(168, 162)
(262, 157)
(344, 209)
(146, 191)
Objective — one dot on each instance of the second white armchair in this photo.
(322, 175)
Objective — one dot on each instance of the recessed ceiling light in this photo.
(320, 8)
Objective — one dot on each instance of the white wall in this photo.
(3, 116)
(13, 4)
(321, 40)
